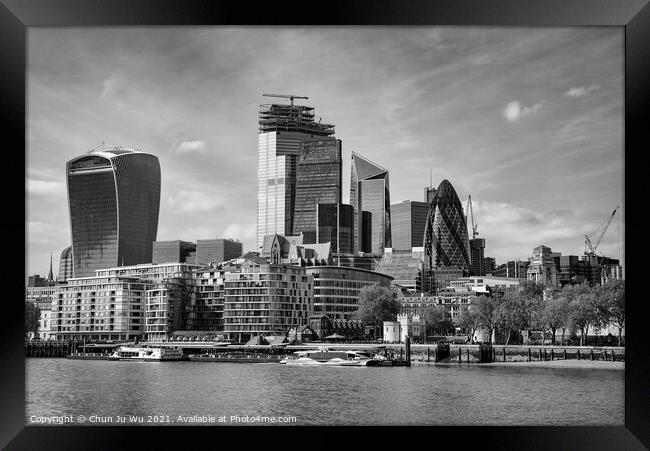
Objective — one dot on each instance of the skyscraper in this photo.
(407, 224)
(282, 129)
(370, 191)
(114, 199)
(477, 256)
(318, 181)
(334, 225)
(446, 243)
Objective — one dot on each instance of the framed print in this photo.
(224, 212)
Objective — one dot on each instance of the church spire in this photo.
(50, 276)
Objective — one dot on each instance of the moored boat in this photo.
(327, 357)
(146, 353)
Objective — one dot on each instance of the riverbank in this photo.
(590, 364)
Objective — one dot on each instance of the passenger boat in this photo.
(326, 357)
(146, 353)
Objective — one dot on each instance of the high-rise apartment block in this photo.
(114, 198)
(370, 191)
(282, 130)
(407, 224)
(318, 180)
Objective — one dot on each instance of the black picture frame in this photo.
(633, 15)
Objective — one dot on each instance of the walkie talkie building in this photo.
(114, 200)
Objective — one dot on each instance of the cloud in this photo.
(191, 146)
(44, 188)
(581, 91)
(192, 201)
(240, 232)
(514, 110)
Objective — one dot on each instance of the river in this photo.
(182, 392)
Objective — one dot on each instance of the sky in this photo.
(528, 121)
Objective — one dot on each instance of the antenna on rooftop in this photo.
(286, 96)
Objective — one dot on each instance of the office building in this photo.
(407, 224)
(114, 198)
(446, 243)
(217, 250)
(542, 269)
(514, 268)
(406, 268)
(282, 129)
(318, 180)
(335, 224)
(65, 264)
(477, 257)
(266, 299)
(175, 251)
(336, 289)
(370, 191)
(490, 264)
(429, 194)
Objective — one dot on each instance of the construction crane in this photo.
(286, 96)
(471, 213)
(590, 249)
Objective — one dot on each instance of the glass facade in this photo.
(337, 288)
(370, 191)
(477, 257)
(318, 180)
(446, 242)
(173, 252)
(407, 224)
(407, 270)
(114, 199)
(282, 129)
(334, 225)
(65, 264)
(217, 251)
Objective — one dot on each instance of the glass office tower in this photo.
(114, 200)
(282, 129)
(318, 181)
(334, 225)
(407, 224)
(370, 191)
(446, 242)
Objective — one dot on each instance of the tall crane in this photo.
(590, 249)
(286, 96)
(471, 213)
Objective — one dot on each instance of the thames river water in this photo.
(176, 392)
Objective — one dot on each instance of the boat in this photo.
(146, 353)
(327, 357)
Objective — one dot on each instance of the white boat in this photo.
(326, 357)
(146, 353)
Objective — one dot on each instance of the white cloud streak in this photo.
(581, 91)
(515, 111)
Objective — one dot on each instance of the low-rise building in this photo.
(407, 325)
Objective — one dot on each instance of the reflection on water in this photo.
(420, 395)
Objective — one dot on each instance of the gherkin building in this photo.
(446, 243)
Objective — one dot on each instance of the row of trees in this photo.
(571, 308)
(574, 307)
(32, 315)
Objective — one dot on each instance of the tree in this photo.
(487, 312)
(555, 313)
(437, 320)
(469, 320)
(377, 304)
(32, 315)
(583, 307)
(511, 312)
(611, 305)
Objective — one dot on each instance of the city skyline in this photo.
(527, 121)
